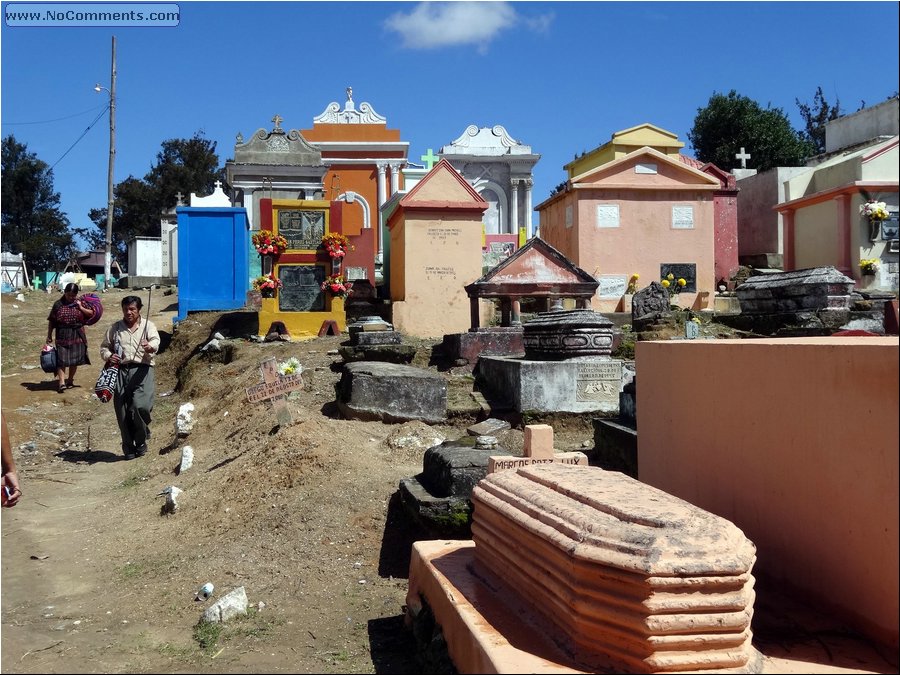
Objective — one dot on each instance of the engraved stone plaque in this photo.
(355, 273)
(303, 229)
(302, 290)
(612, 285)
(683, 217)
(598, 381)
(607, 215)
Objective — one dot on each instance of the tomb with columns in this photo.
(500, 168)
(537, 270)
(275, 164)
(363, 158)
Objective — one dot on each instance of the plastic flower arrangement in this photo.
(289, 367)
(335, 284)
(267, 243)
(267, 282)
(673, 285)
(874, 210)
(632, 284)
(336, 245)
(869, 265)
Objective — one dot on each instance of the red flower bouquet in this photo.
(337, 286)
(267, 243)
(336, 245)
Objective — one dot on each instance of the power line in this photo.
(90, 126)
(58, 119)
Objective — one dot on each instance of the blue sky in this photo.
(560, 76)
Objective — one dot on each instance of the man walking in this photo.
(132, 344)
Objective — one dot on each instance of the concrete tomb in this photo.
(374, 339)
(390, 392)
(615, 440)
(439, 498)
(573, 568)
(813, 301)
(566, 368)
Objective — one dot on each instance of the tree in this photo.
(815, 116)
(182, 165)
(32, 221)
(731, 122)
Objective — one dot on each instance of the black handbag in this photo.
(48, 359)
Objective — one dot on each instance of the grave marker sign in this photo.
(274, 387)
(538, 450)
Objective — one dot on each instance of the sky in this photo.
(561, 77)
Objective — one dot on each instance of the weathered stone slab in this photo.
(372, 330)
(369, 338)
(488, 427)
(493, 341)
(818, 288)
(227, 607)
(372, 390)
(571, 385)
(390, 353)
(629, 577)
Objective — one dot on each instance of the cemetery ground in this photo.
(96, 578)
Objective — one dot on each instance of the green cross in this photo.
(430, 159)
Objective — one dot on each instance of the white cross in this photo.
(743, 156)
(218, 184)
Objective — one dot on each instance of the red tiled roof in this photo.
(690, 161)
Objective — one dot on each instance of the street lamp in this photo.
(110, 201)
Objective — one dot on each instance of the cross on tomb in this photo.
(430, 159)
(278, 119)
(538, 450)
(218, 184)
(743, 156)
(273, 387)
(179, 199)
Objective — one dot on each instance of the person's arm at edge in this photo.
(10, 478)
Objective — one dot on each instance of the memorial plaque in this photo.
(302, 288)
(612, 285)
(889, 227)
(357, 273)
(303, 229)
(504, 248)
(607, 215)
(683, 217)
(686, 271)
(598, 382)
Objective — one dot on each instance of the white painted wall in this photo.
(145, 257)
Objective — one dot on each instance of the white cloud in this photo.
(431, 25)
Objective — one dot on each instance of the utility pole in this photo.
(110, 200)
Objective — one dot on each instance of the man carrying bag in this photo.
(131, 344)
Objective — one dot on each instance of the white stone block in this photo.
(227, 607)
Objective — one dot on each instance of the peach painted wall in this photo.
(645, 238)
(433, 257)
(795, 441)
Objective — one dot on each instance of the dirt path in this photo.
(96, 579)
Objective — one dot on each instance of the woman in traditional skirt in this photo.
(67, 316)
